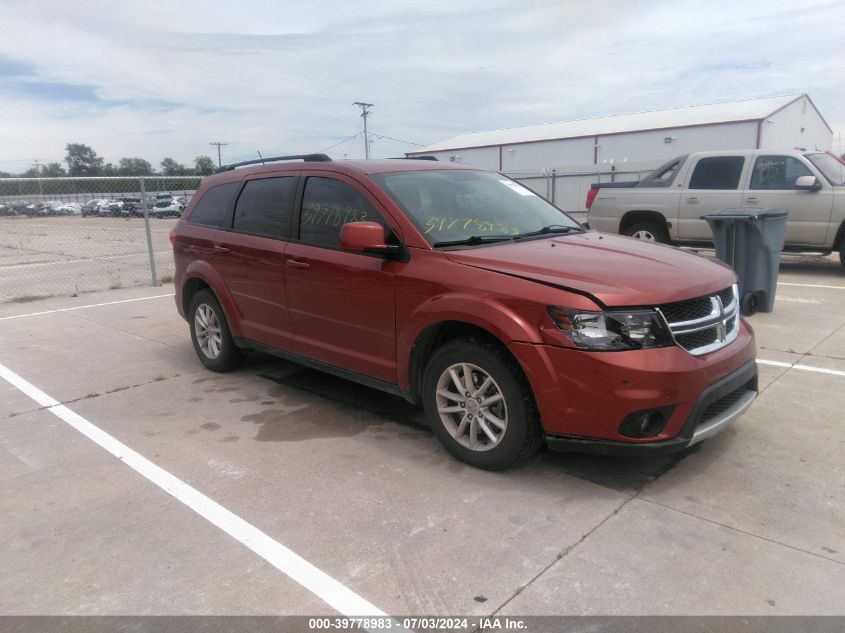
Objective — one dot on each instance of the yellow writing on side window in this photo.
(439, 223)
(335, 215)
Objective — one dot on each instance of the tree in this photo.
(203, 165)
(170, 167)
(5, 174)
(82, 160)
(108, 170)
(53, 170)
(134, 167)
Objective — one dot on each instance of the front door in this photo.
(342, 304)
(772, 185)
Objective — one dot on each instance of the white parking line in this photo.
(90, 305)
(819, 370)
(332, 592)
(785, 283)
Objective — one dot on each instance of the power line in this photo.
(397, 139)
(356, 135)
(219, 145)
(364, 114)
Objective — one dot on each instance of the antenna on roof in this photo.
(260, 156)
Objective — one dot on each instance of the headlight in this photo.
(612, 331)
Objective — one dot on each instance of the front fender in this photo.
(485, 312)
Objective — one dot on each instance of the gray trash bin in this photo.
(750, 242)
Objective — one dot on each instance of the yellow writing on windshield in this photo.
(439, 223)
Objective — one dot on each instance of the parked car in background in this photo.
(666, 206)
(465, 292)
(4, 210)
(167, 208)
(39, 209)
(68, 208)
(94, 207)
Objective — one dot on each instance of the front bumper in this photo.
(583, 397)
(719, 405)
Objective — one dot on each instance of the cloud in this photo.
(165, 78)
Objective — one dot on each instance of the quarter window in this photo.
(264, 207)
(717, 172)
(327, 205)
(212, 208)
(777, 172)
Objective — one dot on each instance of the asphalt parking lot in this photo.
(137, 482)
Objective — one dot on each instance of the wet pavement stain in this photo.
(210, 426)
(230, 438)
(342, 409)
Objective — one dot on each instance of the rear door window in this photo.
(212, 208)
(328, 204)
(777, 172)
(717, 172)
(264, 207)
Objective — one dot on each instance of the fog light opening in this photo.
(645, 423)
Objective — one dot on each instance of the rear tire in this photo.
(497, 425)
(648, 231)
(842, 253)
(210, 334)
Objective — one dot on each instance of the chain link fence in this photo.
(65, 236)
(567, 187)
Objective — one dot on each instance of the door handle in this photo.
(296, 263)
(753, 199)
(218, 248)
(693, 199)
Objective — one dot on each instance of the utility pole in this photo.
(219, 145)
(364, 114)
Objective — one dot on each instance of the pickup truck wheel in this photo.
(648, 231)
(210, 334)
(480, 406)
(842, 253)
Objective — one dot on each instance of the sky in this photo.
(163, 79)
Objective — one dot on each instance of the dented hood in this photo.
(618, 271)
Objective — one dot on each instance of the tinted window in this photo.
(264, 207)
(212, 208)
(327, 205)
(718, 172)
(777, 172)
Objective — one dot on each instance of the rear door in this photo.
(772, 185)
(713, 185)
(342, 304)
(251, 257)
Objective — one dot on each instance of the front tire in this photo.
(480, 405)
(210, 334)
(648, 231)
(842, 253)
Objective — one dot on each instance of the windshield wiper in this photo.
(473, 240)
(551, 228)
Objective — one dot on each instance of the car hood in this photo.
(617, 271)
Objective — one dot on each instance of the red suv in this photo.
(462, 290)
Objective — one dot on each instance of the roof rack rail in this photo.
(414, 158)
(311, 158)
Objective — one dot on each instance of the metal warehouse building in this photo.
(770, 123)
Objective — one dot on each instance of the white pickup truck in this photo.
(666, 206)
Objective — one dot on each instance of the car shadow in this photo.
(623, 474)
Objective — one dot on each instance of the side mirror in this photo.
(366, 237)
(807, 183)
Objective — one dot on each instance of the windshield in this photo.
(832, 169)
(455, 205)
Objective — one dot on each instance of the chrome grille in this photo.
(704, 324)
